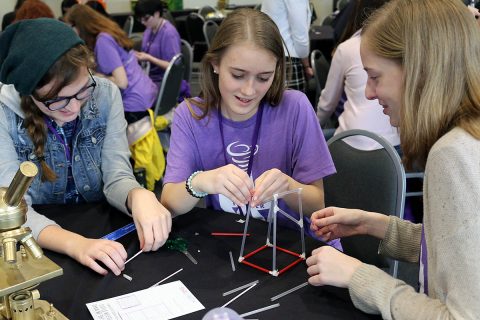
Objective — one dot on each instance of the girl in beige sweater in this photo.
(423, 65)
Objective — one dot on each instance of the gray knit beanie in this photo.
(29, 48)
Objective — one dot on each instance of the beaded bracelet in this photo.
(191, 191)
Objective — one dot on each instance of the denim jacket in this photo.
(100, 154)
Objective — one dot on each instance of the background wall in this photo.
(322, 7)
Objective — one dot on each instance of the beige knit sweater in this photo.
(452, 229)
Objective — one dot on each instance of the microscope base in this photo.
(44, 312)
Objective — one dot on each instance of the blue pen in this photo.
(117, 234)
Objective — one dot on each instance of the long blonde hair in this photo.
(241, 25)
(437, 43)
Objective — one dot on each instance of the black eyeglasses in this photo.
(61, 102)
(144, 18)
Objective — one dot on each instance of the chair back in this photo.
(128, 26)
(328, 20)
(320, 68)
(418, 176)
(206, 9)
(210, 28)
(341, 4)
(369, 180)
(187, 52)
(167, 15)
(170, 87)
(194, 28)
(194, 25)
(137, 42)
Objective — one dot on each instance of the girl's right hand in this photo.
(328, 266)
(142, 56)
(229, 180)
(111, 253)
(333, 223)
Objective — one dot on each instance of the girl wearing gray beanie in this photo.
(54, 113)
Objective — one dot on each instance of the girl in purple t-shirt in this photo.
(115, 59)
(245, 138)
(160, 43)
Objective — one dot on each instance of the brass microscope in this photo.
(22, 263)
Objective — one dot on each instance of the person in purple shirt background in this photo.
(245, 137)
(115, 59)
(160, 43)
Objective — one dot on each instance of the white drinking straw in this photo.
(260, 310)
(231, 260)
(156, 284)
(240, 288)
(278, 296)
(136, 254)
(239, 295)
(126, 276)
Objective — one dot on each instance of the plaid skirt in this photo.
(295, 74)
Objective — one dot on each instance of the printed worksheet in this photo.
(166, 301)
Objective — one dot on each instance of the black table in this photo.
(207, 280)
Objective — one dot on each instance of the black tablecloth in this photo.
(207, 280)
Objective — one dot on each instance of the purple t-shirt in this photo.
(164, 45)
(290, 139)
(141, 92)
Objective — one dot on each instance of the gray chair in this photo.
(368, 180)
(168, 94)
(167, 15)
(194, 28)
(137, 42)
(328, 20)
(320, 68)
(170, 87)
(206, 10)
(341, 4)
(128, 26)
(187, 52)
(210, 28)
(415, 175)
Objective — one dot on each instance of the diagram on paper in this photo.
(167, 301)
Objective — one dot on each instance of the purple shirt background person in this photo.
(141, 92)
(290, 139)
(164, 45)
